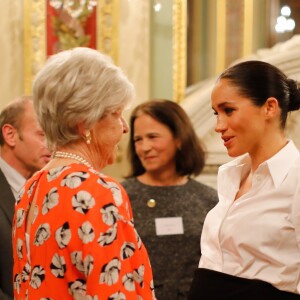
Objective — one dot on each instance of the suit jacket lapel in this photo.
(7, 200)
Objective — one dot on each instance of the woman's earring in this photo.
(88, 137)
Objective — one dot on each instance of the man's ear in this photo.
(272, 108)
(9, 133)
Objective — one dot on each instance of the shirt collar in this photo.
(229, 176)
(281, 162)
(14, 178)
(278, 165)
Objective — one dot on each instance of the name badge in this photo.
(169, 226)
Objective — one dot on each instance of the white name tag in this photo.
(169, 226)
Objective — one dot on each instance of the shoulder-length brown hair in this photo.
(190, 158)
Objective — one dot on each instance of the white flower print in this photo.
(17, 283)
(114, 188)
(88, 265)
(86, 232)
(128, 282)
(20, 195)
(83, 201)
(85, 266)
(138, 239)
(14, 228)
(108, 237)
(63, 235)
(58, 266)
(77, 289)
(76, 258)
(110, 272)
(110, 214)
(35, 213)
(88, 297)
(26, 272)
(50, 200)
(129, 279)
(117, 296)
(20, 216)
(152, 288)
(55, 172)
(37, 277)
(127, 250)
(20, 248)
(29, 192)
(42, 234)
(138, 275)
(74, 179)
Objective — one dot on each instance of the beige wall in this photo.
(134, 60)
(11, 50)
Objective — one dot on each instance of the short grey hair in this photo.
(77, 85)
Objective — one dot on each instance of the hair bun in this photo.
(294, 103)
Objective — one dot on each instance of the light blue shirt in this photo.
(14, 178)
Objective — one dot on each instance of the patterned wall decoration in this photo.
(179, 49)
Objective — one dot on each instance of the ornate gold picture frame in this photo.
(179, 49)
(35, 34)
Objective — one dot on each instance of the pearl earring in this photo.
(88, 137)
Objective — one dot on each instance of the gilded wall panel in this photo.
(35, 33)
(11, 58)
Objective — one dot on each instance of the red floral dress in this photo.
(82, 242)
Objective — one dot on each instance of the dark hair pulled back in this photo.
(294, 103)
(260, 80)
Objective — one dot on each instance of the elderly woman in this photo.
(73, 232)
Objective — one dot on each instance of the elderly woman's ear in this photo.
(84, 132)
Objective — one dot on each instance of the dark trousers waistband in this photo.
(213, 285)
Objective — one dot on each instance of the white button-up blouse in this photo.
(258, 235)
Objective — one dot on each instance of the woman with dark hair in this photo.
(168, 205)
(251, 240)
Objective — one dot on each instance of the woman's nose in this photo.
(220, 125)
(145, 145)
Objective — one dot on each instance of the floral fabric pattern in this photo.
(82, 241)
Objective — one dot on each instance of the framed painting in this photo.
(54, 25)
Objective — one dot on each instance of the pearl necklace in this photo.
(62, 154)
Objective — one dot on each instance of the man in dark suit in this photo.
(23, 152)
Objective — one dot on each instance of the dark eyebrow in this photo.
(221, 105)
